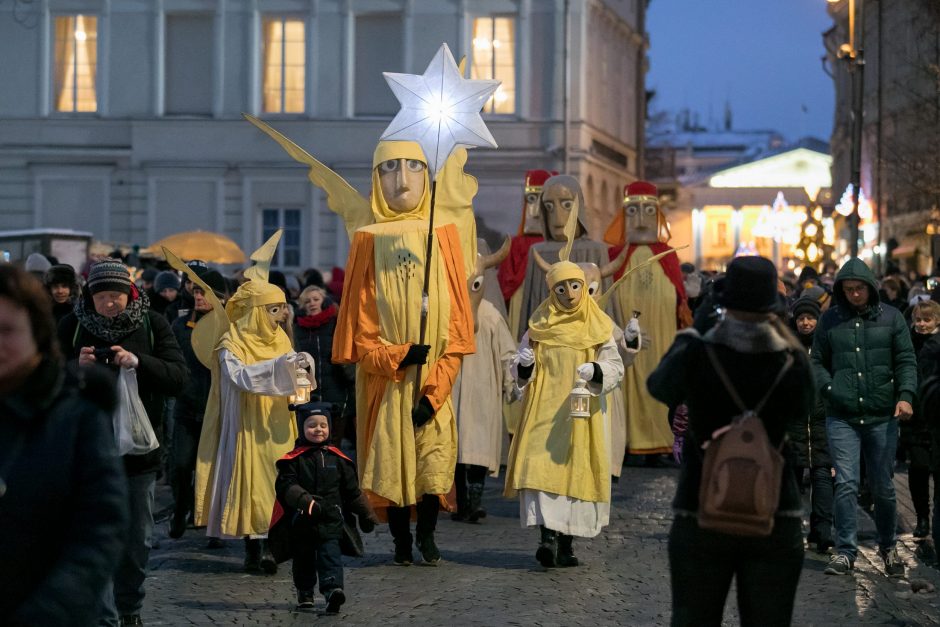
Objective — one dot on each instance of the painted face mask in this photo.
(277, 313)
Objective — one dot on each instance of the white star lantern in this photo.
(440, 109)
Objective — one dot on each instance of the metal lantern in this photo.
(302, 388)
(580, 400)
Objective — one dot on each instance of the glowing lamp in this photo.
(302, 388)
(580, 400)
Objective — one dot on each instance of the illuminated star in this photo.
(440, 109)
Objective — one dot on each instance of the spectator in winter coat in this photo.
(315, 482)
(62, 285)
(166, 288)
(336, 384)
(62, 491)
(114, 318)
(866, 373)
(808, 443)
(753, 346)
(184, 303)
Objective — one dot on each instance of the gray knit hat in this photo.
(109, 274)
(166, 280)
(37, 263)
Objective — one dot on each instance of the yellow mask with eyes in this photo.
(400, 187)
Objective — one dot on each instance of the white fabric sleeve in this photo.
(608, 358)
(273, 377)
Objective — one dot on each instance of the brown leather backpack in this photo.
(742, 471)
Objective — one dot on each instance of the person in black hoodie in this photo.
(315, 481)
(336, 384)
(62, 491)
(112, 324)
(62, 285)
(190, 406)
(753, 346)
(184, 303)
(808, 443)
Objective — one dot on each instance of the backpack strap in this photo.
(726, 381)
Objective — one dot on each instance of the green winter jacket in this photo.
(863, 361)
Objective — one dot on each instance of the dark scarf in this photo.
(317, 320)
(116, 328)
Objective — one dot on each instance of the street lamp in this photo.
(855, 63)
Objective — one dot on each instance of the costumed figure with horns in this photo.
(405, 302)
(247, 426)
(559, 461)
(657, 293)
(484, 383)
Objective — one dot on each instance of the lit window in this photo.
(288, 250)
(76, 62)
(494, 56)
(283, 58)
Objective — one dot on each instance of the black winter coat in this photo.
(685, 374)
(191, 400)
(63, 516)
(329, 480)
(161, 372)
(809, 444)
(336, 383)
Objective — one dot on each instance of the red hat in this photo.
(640, 190)
(536, 179)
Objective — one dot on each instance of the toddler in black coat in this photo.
(315, 482)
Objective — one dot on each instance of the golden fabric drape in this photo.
(272, 33)
(64, 58)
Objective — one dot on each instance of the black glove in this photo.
(417, 354)
(422, 412)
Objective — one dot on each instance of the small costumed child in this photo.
(315, 481)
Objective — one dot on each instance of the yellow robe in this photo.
(652, 294)
(378, 321)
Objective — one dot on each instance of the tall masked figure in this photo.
(559, 461)
(247, 425)
(407, 433)
(656, 293)
(513, 268)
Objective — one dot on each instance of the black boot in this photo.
(177, 524)
(566, 556)
(268, 563)
(399, 525)
(922, 530)
(475, 510)
(428, 507)
(547, 552)
(252, 556)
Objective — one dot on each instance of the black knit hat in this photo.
(215, 281)
(310, 409)
(62, 274)
(166, 280)
(750, 285)
(805, 305)
(109, 275)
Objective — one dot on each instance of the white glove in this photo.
(525, 357)
(586, 371)
(632, 330)
(303, 360)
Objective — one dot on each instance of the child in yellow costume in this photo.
(406, 450)
(559, 466)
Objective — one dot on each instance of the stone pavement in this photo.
(490, 577)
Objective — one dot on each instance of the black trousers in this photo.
(313, 560)
(183, 463)
(766, 571)
(464, 474)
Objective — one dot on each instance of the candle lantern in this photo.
(580, 400)
(302, 388)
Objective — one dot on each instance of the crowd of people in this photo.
(842, 369)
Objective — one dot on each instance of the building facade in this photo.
(123, 118)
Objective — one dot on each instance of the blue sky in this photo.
(762, 56)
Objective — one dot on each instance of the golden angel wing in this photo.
(605, 297)
(212, 326)
(262, 258)
(453, 204)
(341, 197)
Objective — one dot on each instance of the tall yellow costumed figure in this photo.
(559, 462)
(247, 424)
(655, 293)
(405, 316)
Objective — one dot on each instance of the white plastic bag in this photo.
(132, 430)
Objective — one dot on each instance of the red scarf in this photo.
(319, 319)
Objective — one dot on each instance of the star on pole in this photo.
(440, 109)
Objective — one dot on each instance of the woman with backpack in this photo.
(723, 530)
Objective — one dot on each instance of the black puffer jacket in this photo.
(161, 372)
(191, 400)
(63, 516)
(809, 445)
(336, 383)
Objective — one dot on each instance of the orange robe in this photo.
(379, 319)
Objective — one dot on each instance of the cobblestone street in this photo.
(490, 577)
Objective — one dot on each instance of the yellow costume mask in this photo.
(389, 151)
(254, 334)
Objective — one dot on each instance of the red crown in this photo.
(640, 188)
(537, 178)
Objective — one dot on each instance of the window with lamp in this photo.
(493, 56)
(75, 59)
(288, 250)
(283, 62)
